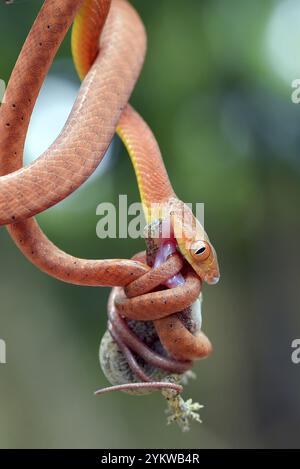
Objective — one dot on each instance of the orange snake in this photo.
(100, 108)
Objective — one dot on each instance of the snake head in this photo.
(193, 242)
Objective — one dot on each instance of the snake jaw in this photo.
(212, 280)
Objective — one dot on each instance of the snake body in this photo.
(108, 44)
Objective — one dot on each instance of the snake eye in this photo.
(200, 250)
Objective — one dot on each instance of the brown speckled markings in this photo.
(179, 341)
(120, 326)
(80, 147)
(158, 304)
(154, 277)
(76, 153)
(92, 123)
(55, 262)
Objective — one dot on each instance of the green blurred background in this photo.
(216, 90)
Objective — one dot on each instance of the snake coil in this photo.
(168, 345)
(101, 108)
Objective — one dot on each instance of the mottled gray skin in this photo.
(115, 367)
